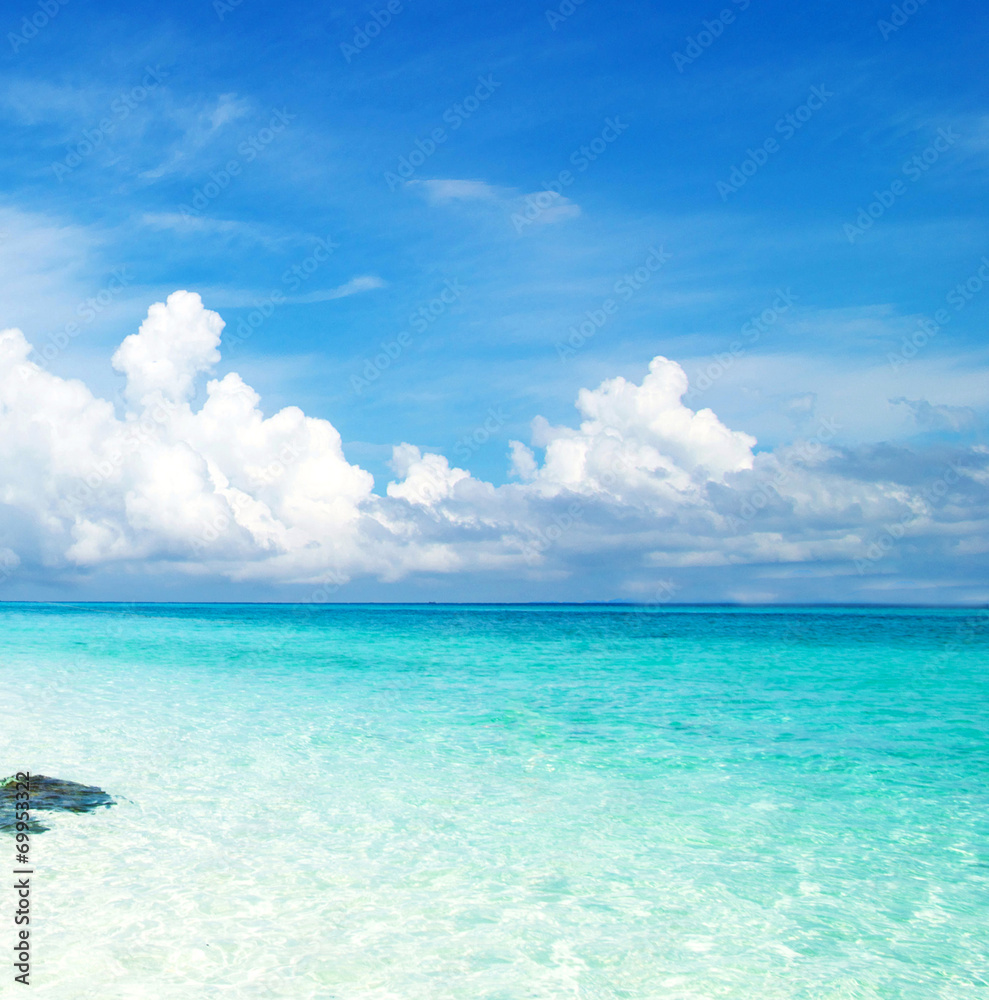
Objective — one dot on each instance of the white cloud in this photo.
(178, 341)
(31, 102)
(238, 298)
(547, 207)
(939, 417)
(199, 127)
(756, 390)
(362, 283)
(455, 190)
(651, 420)
(539, 207)
(643, 480)
(229, 230)
(43, 265)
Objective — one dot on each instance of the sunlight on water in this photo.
(504, 802)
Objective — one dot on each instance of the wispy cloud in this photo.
(363, 283)
(240, 298)
(199, 127)
(224, 229)
(537, 207)
(438, 191)
(31, 102)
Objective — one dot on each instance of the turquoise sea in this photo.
(494, 803)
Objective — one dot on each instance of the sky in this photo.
(417, 301)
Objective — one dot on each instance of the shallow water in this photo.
(492, 802)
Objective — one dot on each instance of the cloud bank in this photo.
(643, 480)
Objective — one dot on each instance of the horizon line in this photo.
(513, 604)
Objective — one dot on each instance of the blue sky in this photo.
(743, 155)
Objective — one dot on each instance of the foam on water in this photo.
(504, 802)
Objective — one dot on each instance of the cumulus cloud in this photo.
(224, 490)
(178, 341)
(646, 427)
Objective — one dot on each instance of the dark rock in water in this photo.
(47, 794)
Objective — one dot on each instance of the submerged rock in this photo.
(48, 794)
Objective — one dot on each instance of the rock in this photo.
(48, 794)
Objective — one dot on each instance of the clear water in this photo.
(492, 802)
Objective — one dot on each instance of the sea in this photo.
(472, 802)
